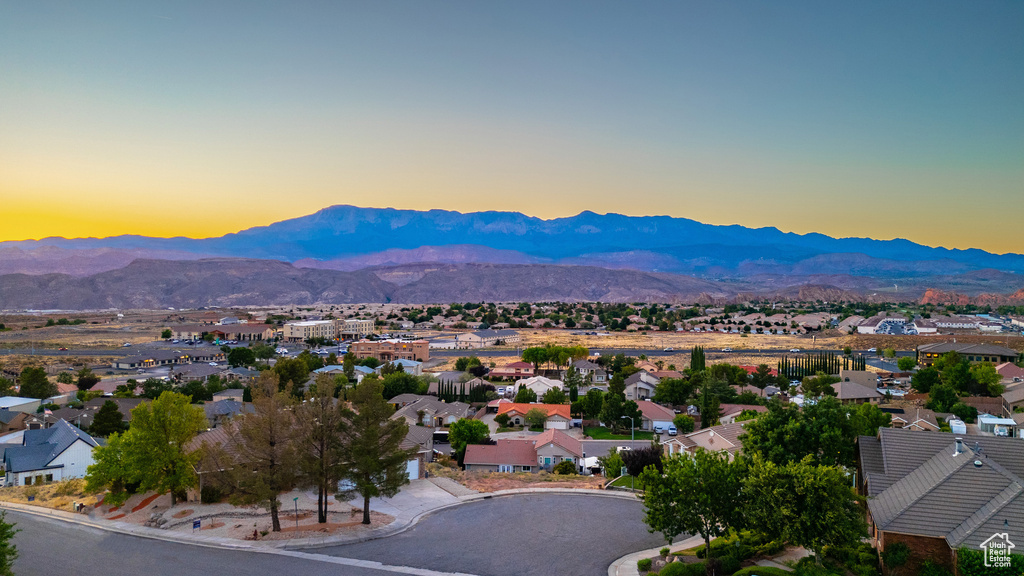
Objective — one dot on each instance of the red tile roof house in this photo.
(541, 452)
(558, 414)
(515, 370)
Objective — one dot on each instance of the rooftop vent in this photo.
(959, 447)
(977, 463)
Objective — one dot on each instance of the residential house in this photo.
(236, 394)
(558, 417)
(245, 376)
(408, 366)
(641, 386)
(1013, 398)
(502, 456)
(927, 354)
(654, 416)
(219, 412)
(937, 493)
(538, 384)
(1011, 373)
(541, 452)
(51, 454)
(517, 370)
(12, 421)
(862, 377)
(729, 412)
(422, 439)
(918, 419)
(433, 413)
(723, 437)
(483, 338)
(591, 372)
(403, 400)
(201, 372)
(124, 405)
(853, 393)
(18, 404)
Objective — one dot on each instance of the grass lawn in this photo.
(601, 433)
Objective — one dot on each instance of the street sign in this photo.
(196, 524)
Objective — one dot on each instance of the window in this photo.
(28, 481)
(527, 468)
(49, 477)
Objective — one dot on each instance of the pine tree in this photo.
(371, 446)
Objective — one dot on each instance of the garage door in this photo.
(412, 468)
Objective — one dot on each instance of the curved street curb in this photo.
(626, 566)
(396, 527)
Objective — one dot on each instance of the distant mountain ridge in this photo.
(348, 237)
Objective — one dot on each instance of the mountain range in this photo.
(348, 253)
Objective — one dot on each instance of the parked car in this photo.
(672, 430)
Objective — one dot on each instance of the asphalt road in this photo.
(528, 535)
(531, 535)
(49, 547)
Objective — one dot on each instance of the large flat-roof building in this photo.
(927, 354)
(482, 338)
(390, 350)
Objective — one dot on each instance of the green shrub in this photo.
(762, 571)
(929, 568)
(664, 551)
(644, 565)
(564, 467)
(684, 569)
(770, 548)
(210, 494)
(730, 565)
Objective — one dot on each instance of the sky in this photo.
(870, 119)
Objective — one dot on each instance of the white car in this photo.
(794, 350)
(726, 349)
(669, 349)
(872, 349)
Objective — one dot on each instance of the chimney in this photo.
(959, 447)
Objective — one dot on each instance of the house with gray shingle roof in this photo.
(49, 455)
(937, 492)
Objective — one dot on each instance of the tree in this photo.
(525, 396)
(318, 442)
(964, 412)
(819, 385)
(987, 380)
(8, 551)
(867, 418)
(400, 383)
(86, 378)
(889, 352)
(906, 363)
(786, 433)
(684, 423)
(463, 363)
(241, 356)
(697, 359)
(564, 467)
(65, 378)
(810, 506)
(154, 454)
(108, 420)
(675, 391)
(371, 444)
(895, 557)
(466, 431)
(611, 463)
(924, 379)
(762, 377)
(638, 459)
(573, 382)
(502, 420)
(263, 351)
(699, 494)
(709, 406)
(292, 371)
(554, 396)
(942, 398)
(847, 351)
(349, 366)
(535, 417)
(266, 446)
(593, 401)
(166, 333)
(35, 384)
(152, 388)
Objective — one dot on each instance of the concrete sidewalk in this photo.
(626, 566)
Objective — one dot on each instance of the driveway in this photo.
(533, 534)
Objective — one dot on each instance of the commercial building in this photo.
(305, 330)
(482, 338)
(390, 350)
(236, 331)
(927, 354)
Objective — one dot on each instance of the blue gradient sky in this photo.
(851, 119)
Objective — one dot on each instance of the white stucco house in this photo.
(49, 455)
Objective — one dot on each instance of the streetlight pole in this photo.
(296, 501)
(632, 439)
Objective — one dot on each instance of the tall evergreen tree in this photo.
(320, 460)
(371, 445)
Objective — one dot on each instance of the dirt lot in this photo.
(58, 495)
